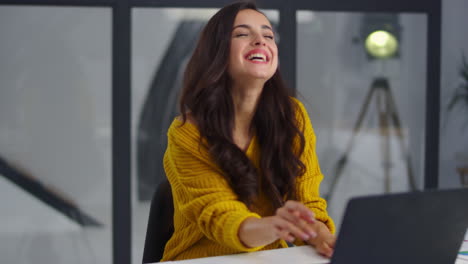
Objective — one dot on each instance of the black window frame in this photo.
(121, 81)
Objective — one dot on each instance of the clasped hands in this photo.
(292, 221)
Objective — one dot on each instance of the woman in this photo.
(241, 158)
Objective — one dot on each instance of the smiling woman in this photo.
(241, 157)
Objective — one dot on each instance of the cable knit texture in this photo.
(207, 213)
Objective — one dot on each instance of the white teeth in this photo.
(257, 56)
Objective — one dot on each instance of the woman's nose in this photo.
(259, 41)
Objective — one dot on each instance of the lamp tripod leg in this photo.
(384, 131)
(399, 133)
(344, 157)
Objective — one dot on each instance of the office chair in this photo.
(160, 223)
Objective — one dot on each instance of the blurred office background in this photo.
(56, 115)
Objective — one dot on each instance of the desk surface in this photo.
(296, 255)
(293, 255)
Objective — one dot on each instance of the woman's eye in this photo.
(241, 35)
(269, 36)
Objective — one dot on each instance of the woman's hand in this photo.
(293, 220)
(299, 219)
(302, 219)
(324, 242)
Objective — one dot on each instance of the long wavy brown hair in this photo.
(207, 96)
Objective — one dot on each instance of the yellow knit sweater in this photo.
(207, 213)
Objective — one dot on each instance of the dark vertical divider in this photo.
(121, 133)
(287, 46)
(431, 161)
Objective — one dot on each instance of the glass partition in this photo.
(55, 135)
(366, 103)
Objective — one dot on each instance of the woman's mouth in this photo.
(257, 56)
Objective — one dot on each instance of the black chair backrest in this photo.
(160, 223)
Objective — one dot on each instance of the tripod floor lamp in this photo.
(381, 32)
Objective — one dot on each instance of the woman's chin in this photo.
(260, 76)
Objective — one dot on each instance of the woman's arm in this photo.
(307, 189)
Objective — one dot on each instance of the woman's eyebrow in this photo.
(249, 27)
(242, 26)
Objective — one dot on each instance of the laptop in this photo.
(421, 227)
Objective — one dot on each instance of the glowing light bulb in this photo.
(381, 44)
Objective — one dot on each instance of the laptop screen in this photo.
(420, 227)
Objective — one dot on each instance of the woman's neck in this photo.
(245, 99)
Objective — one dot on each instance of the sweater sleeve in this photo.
(202, 194)
(307, 186)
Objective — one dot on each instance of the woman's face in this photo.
(254, 54)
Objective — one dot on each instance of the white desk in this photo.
(293, 255)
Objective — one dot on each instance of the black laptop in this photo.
(421, 227)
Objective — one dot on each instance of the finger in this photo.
(331, 241)
(285, 235)
(290, 215)
(291, 228)
(306, 226)
(294, 217)
(325, 249)
(305, 212)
